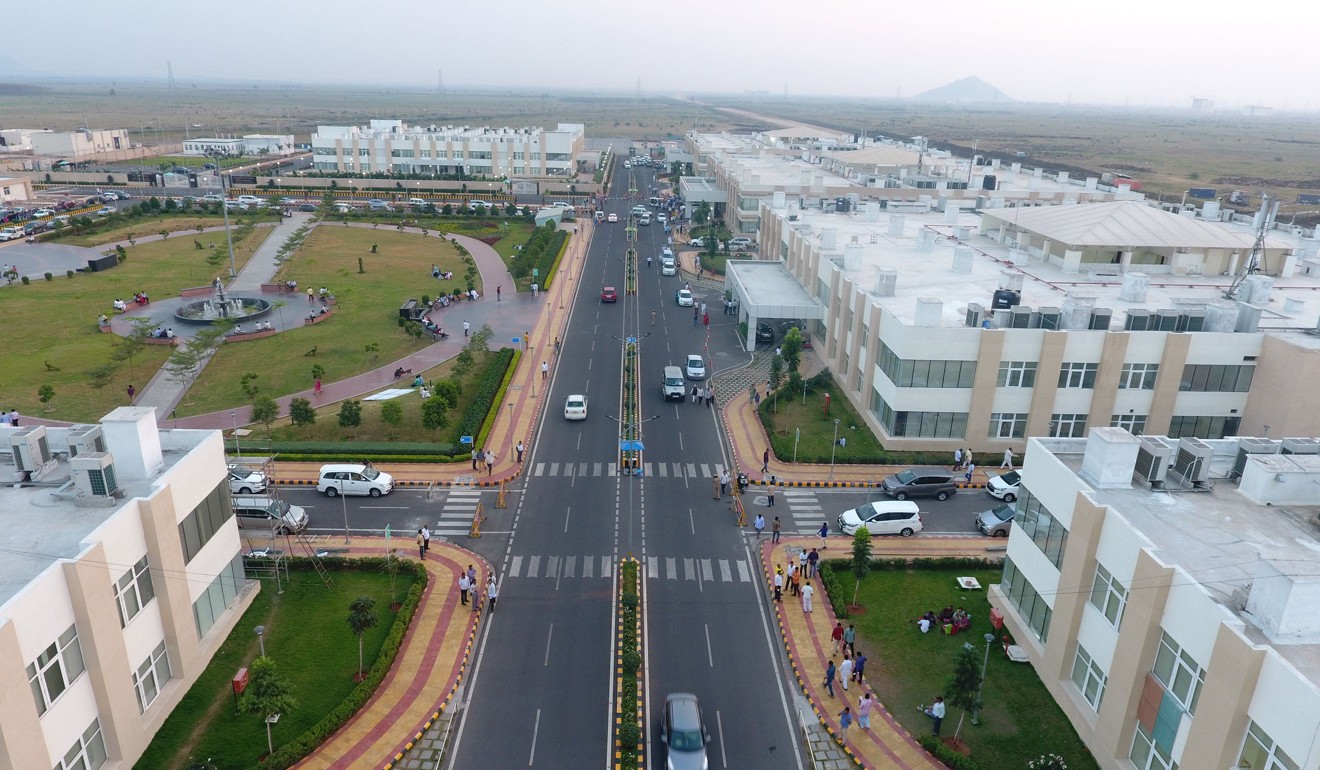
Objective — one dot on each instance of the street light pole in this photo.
(976, 712)
(834, 445)
(261, 638)
(345, 502)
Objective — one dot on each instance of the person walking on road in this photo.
(492, 593)
(850, 639)
(845, 671)
(696, 393)
(725, 480)
(829, 678)
(466, 327)
(807, 593)
(824, 533)
(836, 636)
(463, 587)
(499, 290)
(845, 717)
(864, 710)
(770, 495)
(765, 460)
(759, 524)
(426, 540)
(774, 530)
(1008, 459)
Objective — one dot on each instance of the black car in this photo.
(765, 334)
(307, 207)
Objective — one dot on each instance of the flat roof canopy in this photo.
(768, 290)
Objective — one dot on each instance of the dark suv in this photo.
(920, 482)
(765, 334)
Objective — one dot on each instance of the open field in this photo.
(1168, 150)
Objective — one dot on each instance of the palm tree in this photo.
(361, 618)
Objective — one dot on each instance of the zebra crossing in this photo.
(704, 471)
(805, 512)
(657, 568)
(456, 510)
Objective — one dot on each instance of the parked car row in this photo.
(901, 516)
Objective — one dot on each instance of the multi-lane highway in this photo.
(540, 692)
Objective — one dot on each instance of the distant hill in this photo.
(970, 89)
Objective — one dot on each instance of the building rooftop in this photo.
(1228, 542)
(876, 155)
(768, 172)
(48, 520)
(922, 247)
(383, 129)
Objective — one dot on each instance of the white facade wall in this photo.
(1287, 707)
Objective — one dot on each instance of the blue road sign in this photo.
(465, 439)
(516, 340)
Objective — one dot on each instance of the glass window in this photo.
(1067, 425)
(1259, 752)
(87, 753)
(1203, 427)
(1074, 375)
(1224, 378)
(134, 591)
(1181, 675)
(151, 676)
(1138, 376)
(1133, 423)
(1017, 374)
(1108, 595)
(1008, 425)
(205, 520)
(1029, 604)
(57, 667)
(1088, 678)
(1146, 754)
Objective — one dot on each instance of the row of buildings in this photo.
(1160, 570)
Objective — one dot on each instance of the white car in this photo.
(244, 481)
(683, 297)
(697, 242)
(741, 243)
(213, 198)
(250, 200)
(614, 218)
(696, 367)
(1004, 486)
(884, 517)
(42, 213)
(575, 407)
(105, 211)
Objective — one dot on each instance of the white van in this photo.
(883, 517)
(653, 202)
(672, 385)
(417, 202)
(353, 479)
(268, 514)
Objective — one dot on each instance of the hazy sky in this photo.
(1156, 52)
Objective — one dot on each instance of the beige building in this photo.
(943, 331)
(15, 189)
(1164, 591)
(123, 575)
(80, 143)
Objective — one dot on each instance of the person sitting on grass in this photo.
(961, 620)
(946, 615)
(925, 621)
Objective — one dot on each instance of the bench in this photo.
(319, 318)
(171, 341)
(245, 336)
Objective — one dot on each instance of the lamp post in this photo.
(261, 638)
(834, 445)
(224, 209)
(797, 436)
(347, 540)
(233, 417)
(976, 712)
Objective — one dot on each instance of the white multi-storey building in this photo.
(958, 328)
(1165, 592)
(250, 144)
(123, 574)
(391, 146)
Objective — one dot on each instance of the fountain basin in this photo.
(236, 309)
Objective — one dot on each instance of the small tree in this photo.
(318, 371)
(102, 375)
(861, 558)
(249, 384)
(265, 411)
(132, 344)
(46, 393)
(268, 693)
(391, 413)
(434, 412)
(791, 349)
(361, 618)
(350, 414)
(301, 412)
(392, 569)
(964, 684)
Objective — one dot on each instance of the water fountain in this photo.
(222, 307)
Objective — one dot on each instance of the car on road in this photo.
(105, 211)
(683, 297)
(765, 334)
(920, 482)
(575, 407)
(213, 198)
(995, 522)
(613, 218)
(11, 233)
(562, 205)
(696, 367)
(741, 243)
(600, 216)
(608, 294)
(683, 733)
(644, 219)
(250, 200)
(638, 210)
(477, 204)
(353, 479)
(884, 517)
(699, 243)
(662, 219)
(245, 481)
(307, 207)
(668, 266)
(43, 212)
(1004, 486)
(672, 384)
(269, 514)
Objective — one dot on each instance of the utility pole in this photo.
(169, 79)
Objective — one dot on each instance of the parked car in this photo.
(250, 200)
(269, 514)
(995, 522)
(1004, 486)
(883, 517)
(575, 407)
(105, 211)
(699, 243)
(741, 243)
(608, 294)
(765, 334)
(307, 207)
(683, 297)
(696, 367)
(213, 198)
(43, 212)
(245, 481)
(353, 479)
(920, 482)
(684, 733)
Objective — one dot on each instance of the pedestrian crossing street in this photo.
(704, 471)
(456, 512)
(657, 568)
(799, 510)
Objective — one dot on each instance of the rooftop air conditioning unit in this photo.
(1048, 318)
(85, 439)
(1251, 446)
(976, 315)
(1138, 320)
(1153, 461)
(1191, 321)
(31, 450)
(1165, 321)
(1301, 446)
(1100, 318)
(1192, 463)
(94, 475)
(1020, 317)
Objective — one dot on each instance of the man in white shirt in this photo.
(935, 712)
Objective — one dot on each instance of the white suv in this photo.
(353, 479)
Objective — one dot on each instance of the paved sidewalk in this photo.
(806, 638)
(427, 672)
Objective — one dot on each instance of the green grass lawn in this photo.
(60, 343)
(366, 313)
(307, 635)
(178, 225)
(783, 416)
(195, 162)
(1019, 722)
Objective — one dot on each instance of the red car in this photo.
(608, 294)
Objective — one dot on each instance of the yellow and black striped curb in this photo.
(458, 680)
(639, 708)
(793, 662)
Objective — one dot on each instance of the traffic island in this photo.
(629, 698)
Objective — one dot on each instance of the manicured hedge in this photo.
(494, 411)
(293, 751)
(951, 759)
(549, 261)
(356, 449)
(485, 392)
